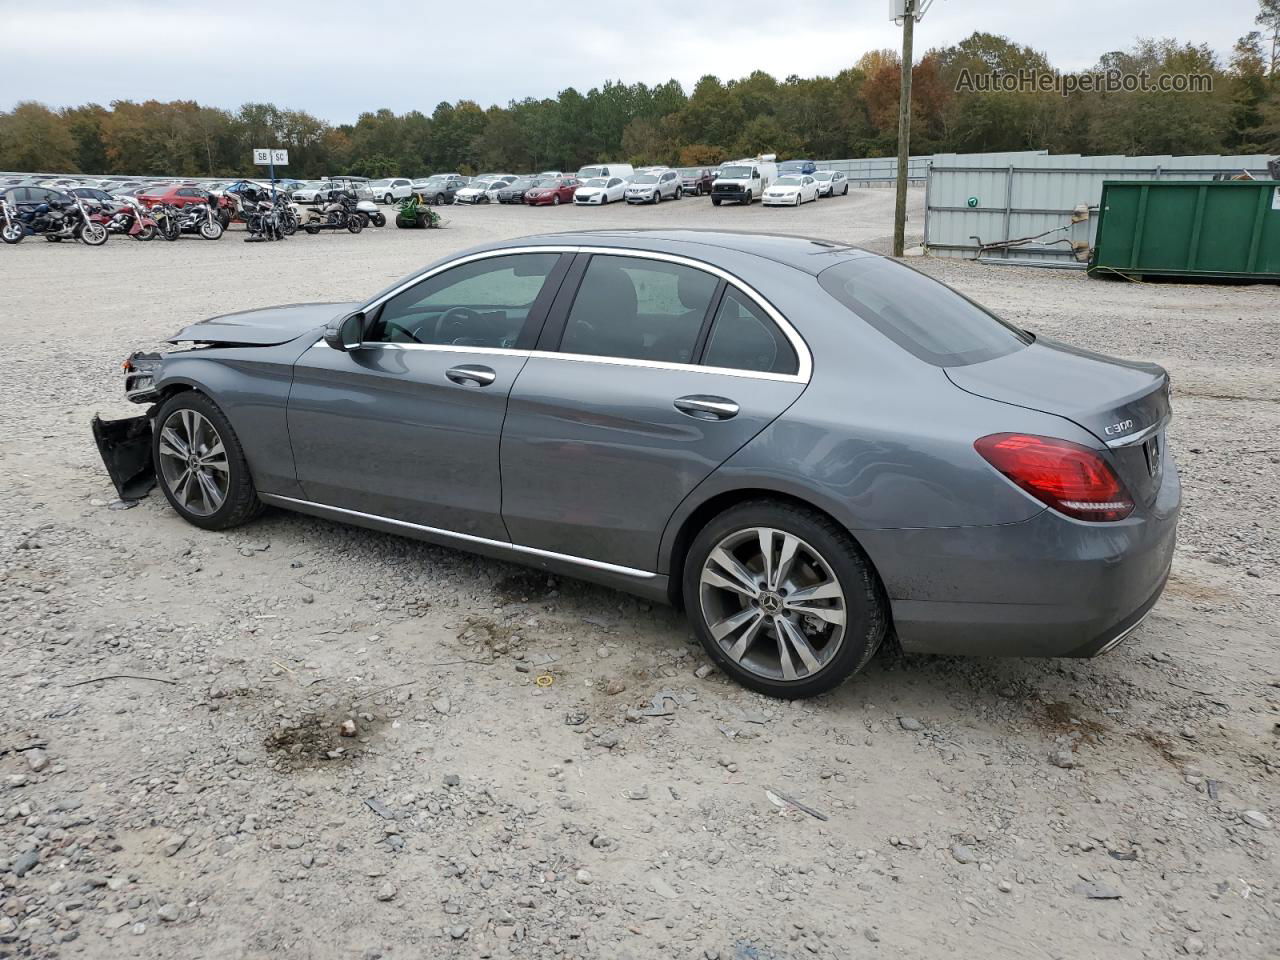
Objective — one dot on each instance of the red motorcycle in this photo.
(128, 217)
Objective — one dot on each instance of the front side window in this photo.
(743, 338)
(484, 303)
(921, 315)
(638, 309)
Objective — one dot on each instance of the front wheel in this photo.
(355, 224)
(145, 233)
(201, 465)
(12, 233)
(211, 230)
(715, 201)
(555, 200)
(782, 599)
(845, 191)
(93, 234)
(387, 198)
(379, 219)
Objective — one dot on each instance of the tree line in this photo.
(851, 114)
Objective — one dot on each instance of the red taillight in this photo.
(1066, 476)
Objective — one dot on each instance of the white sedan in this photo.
(480, 191)
(791, 191)
(599, 190)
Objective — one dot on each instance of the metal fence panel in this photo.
(877, 171)
(999, 199)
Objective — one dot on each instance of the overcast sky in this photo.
(337, 59)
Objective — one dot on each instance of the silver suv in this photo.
(654, 186)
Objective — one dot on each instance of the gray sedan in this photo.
(804, 445)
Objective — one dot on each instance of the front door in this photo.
(655, 375)
(407, 426)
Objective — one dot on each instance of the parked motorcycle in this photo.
(11, 228)
(56, 221)
(198, 218)
(128, 217)
(342, 213)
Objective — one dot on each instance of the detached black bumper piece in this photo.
(125, 446)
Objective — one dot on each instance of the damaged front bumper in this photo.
(125, 444)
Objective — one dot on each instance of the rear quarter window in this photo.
(921, 315)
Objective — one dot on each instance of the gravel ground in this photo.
(1124, 807)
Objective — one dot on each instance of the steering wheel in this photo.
(454, 317)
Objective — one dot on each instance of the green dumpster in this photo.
(1189, 228)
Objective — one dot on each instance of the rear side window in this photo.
(921, 315)
(742, 338)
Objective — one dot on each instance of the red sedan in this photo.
(552, 191)
(179, 196)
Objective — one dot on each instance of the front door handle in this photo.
(702, 407)
(472, 373)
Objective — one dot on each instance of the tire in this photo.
(169, 229)
(845, 191)
(93, 234)
(555, 199)
(679, 192)
(715, 201)
(657, 197)
(288, 224)
(355, 224)
(312, 228)
(145, 234)
(211, 230)
(439, 199)
(379, 219)
(823, 556)
(52, 239)
(402, 223)
(12, 233)
(387, 198)
(240, 501)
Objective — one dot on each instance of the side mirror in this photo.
(346, 334)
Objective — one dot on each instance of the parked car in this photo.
(608, 170)
(696, 180)
(600, 190)
(790, 191)
(804, 167)
(174, 196)
(29, 197)
(654, 187)
(310, 191)
(742, 181)
(391, 189)
(93, 194)
(850, 444)
(831, 182)
(514, 191)
(439, 188)
(480, 191)
(552, 191)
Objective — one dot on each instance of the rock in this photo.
(348, 728)
(442, 705)
(1063, 758)
(615, 686)
(662, 888)
(386, 892)
(909, 723)
(244, 758)
(22, 866)
(963, 854)
(704, 671)
(168, 913)
(583, 877)
(637, 793)
(173, 844)
(1193, 945)
(872, 934)
(451, 780)
(458, 932)
(7, 926)
(138, 929)
(37, 760)
(1005, 886)
(116, 921)
(1096, 891)
(1256, 819)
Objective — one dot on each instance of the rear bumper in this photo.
(1046, 587)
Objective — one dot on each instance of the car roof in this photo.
(809, 254)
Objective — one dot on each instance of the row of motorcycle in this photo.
(265, 218)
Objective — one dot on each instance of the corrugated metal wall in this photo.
(876, 171)
(1024, 197)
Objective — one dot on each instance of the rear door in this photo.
(408, 425)
(651, 372)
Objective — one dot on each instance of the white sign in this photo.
(263, 157)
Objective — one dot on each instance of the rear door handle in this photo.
(702, 407)
(472, 373)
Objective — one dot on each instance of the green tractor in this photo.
(414, 213)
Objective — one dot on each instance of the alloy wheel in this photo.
(193, 462)
(772, 603)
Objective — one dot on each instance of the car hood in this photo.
(265, 327)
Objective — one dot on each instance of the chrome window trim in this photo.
(466, 537)
(804, 359)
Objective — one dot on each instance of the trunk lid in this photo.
(1124, 403)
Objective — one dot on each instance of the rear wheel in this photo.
(387, 198)
(201, 465)
(782, 599)
(145, 233)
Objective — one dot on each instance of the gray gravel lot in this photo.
(1125, 807)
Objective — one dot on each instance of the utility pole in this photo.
(904, 128)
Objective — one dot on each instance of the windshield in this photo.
(587, 172)
(787, 182)
(597, 182)
(545, 182)
(690, 172)
(796, 165)
(644, 178)
(380, 183)
(736, 173)
(919, 314)
(524, 183)
(482, 185)
(823, 175)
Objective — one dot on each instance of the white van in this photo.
(623, 170)
(743, 181)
